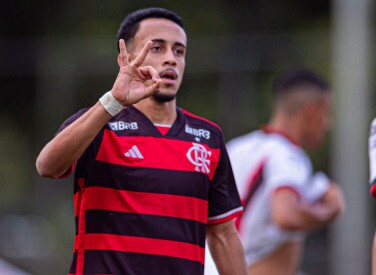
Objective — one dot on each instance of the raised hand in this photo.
(133, 81)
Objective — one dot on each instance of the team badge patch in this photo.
(199, 156)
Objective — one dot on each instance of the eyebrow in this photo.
(164, 41)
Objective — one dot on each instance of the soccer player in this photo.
(281, 195)
(152, 181)
(372, 179)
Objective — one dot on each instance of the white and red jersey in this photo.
(372, 158)
(264, 161)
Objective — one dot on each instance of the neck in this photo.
(157, 112)
(288, 126)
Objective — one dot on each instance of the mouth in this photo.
(169, 76)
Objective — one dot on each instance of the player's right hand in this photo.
(131, 83)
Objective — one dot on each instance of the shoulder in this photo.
(244, 139)
(201, 127)
(72, 118)
(200, 120)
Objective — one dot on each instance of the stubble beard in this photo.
(163, 98)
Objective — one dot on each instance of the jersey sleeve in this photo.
(65, 124)
(372, 158)
(287, 170)
(224, 200)
(318, 185)
(70, 120)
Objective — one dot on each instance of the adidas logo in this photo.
(134, 152)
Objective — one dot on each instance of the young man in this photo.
(281, 196)
(372, 179)
(152, 181)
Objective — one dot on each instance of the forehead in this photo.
(160, 29)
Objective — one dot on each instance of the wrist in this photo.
(111, 104)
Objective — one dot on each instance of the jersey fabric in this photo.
(372, 158)
(142, 200)
(264, 161)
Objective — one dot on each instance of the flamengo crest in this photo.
(199, 156)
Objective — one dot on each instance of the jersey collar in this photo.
(267, 129)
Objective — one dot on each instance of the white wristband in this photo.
(112, 106)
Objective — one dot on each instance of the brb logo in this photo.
(199, 156)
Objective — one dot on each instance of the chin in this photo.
(162, 98)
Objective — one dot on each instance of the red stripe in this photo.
(79, 242)
(76, 203)
(160, 153)
(373, 189)
(289, 189)
(145, 246)
(146, 203)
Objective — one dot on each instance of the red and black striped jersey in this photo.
(142, 200)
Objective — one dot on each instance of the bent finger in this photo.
(149, 72)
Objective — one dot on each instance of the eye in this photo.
(179, 51)
(155, 49)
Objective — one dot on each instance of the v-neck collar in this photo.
(174, 129)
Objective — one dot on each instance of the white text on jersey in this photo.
(197, 132)
(121, 125)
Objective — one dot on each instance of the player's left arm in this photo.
(289, 212)
(226, 248)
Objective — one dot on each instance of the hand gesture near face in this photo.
(130, 85)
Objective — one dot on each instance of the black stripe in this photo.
(73, 266)
(148, 180)
(124, 263)
(147, 226)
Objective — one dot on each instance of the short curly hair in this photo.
(130, 25)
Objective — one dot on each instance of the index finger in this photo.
(139, 60)
(123, 53)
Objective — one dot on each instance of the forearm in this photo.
(316, 215)
(227, 252)
(67, 147)
(290, 213)
(326, 210)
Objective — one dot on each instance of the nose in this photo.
(169, 58)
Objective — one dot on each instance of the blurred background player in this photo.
(281, 195)
(372, 179)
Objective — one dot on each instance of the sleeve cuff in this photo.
(229, 215)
